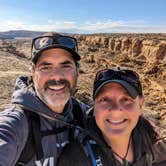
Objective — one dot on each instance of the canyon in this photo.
(144, 53)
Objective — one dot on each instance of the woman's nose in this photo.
(115, 107)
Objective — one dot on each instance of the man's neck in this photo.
(58, 109)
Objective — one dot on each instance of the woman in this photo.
(118, 134)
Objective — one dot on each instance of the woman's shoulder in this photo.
(160, 150)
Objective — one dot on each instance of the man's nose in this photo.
(57, 74)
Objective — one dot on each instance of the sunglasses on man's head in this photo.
(46, 41)
(110, 74)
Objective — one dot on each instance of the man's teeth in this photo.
(56, 87)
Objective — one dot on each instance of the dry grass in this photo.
(152, 75)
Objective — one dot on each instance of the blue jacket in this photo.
(14, 126)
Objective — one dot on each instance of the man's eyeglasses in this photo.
(46, 41)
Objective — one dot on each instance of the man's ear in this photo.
(33, 70)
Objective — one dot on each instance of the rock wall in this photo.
(20, 48)
(151, 49)
(146, 55)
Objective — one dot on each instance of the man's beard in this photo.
(52, 98)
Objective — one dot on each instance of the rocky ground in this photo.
(144, 53)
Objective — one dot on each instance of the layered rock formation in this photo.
(151, 49)
(145, 54)
(19, 48)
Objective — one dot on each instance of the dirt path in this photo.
(9, 73)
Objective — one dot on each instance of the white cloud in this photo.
(87, 27)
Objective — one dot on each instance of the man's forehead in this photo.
(55, 56)
(55, 53)
(46, 63)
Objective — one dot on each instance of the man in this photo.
(35, 128)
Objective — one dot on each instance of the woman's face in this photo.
(116, 113)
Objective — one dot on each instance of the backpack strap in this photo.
(91, 149)
(34, 138)
(28, 151)
(79, 121)
(78, 114)
(93, 146)
(37, 136)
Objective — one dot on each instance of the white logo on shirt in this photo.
(47, 162)
(99, 162)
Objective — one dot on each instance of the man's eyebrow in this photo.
(66, 62)
(44, 64)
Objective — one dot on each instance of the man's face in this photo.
(55, 78)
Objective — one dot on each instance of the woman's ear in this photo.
(141, 103)
(142, 100)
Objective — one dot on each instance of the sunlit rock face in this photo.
(144, 53)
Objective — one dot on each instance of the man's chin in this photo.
(58, 101)
(53, 99)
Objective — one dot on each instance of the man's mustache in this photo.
(54, 82)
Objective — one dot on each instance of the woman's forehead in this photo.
(113, 90)
(112, 87)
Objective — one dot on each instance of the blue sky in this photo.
(84, 16)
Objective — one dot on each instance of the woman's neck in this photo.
(122, 148)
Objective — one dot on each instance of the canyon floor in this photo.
(14, 61)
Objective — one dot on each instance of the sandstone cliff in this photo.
(145, 54)
(151, 49)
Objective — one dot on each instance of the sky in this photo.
(84, 16)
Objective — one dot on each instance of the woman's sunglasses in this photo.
(110, 74)
(119, 74)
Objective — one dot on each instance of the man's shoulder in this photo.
(81, 104)
(13, 132)
(13, 116)
(13, 109)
